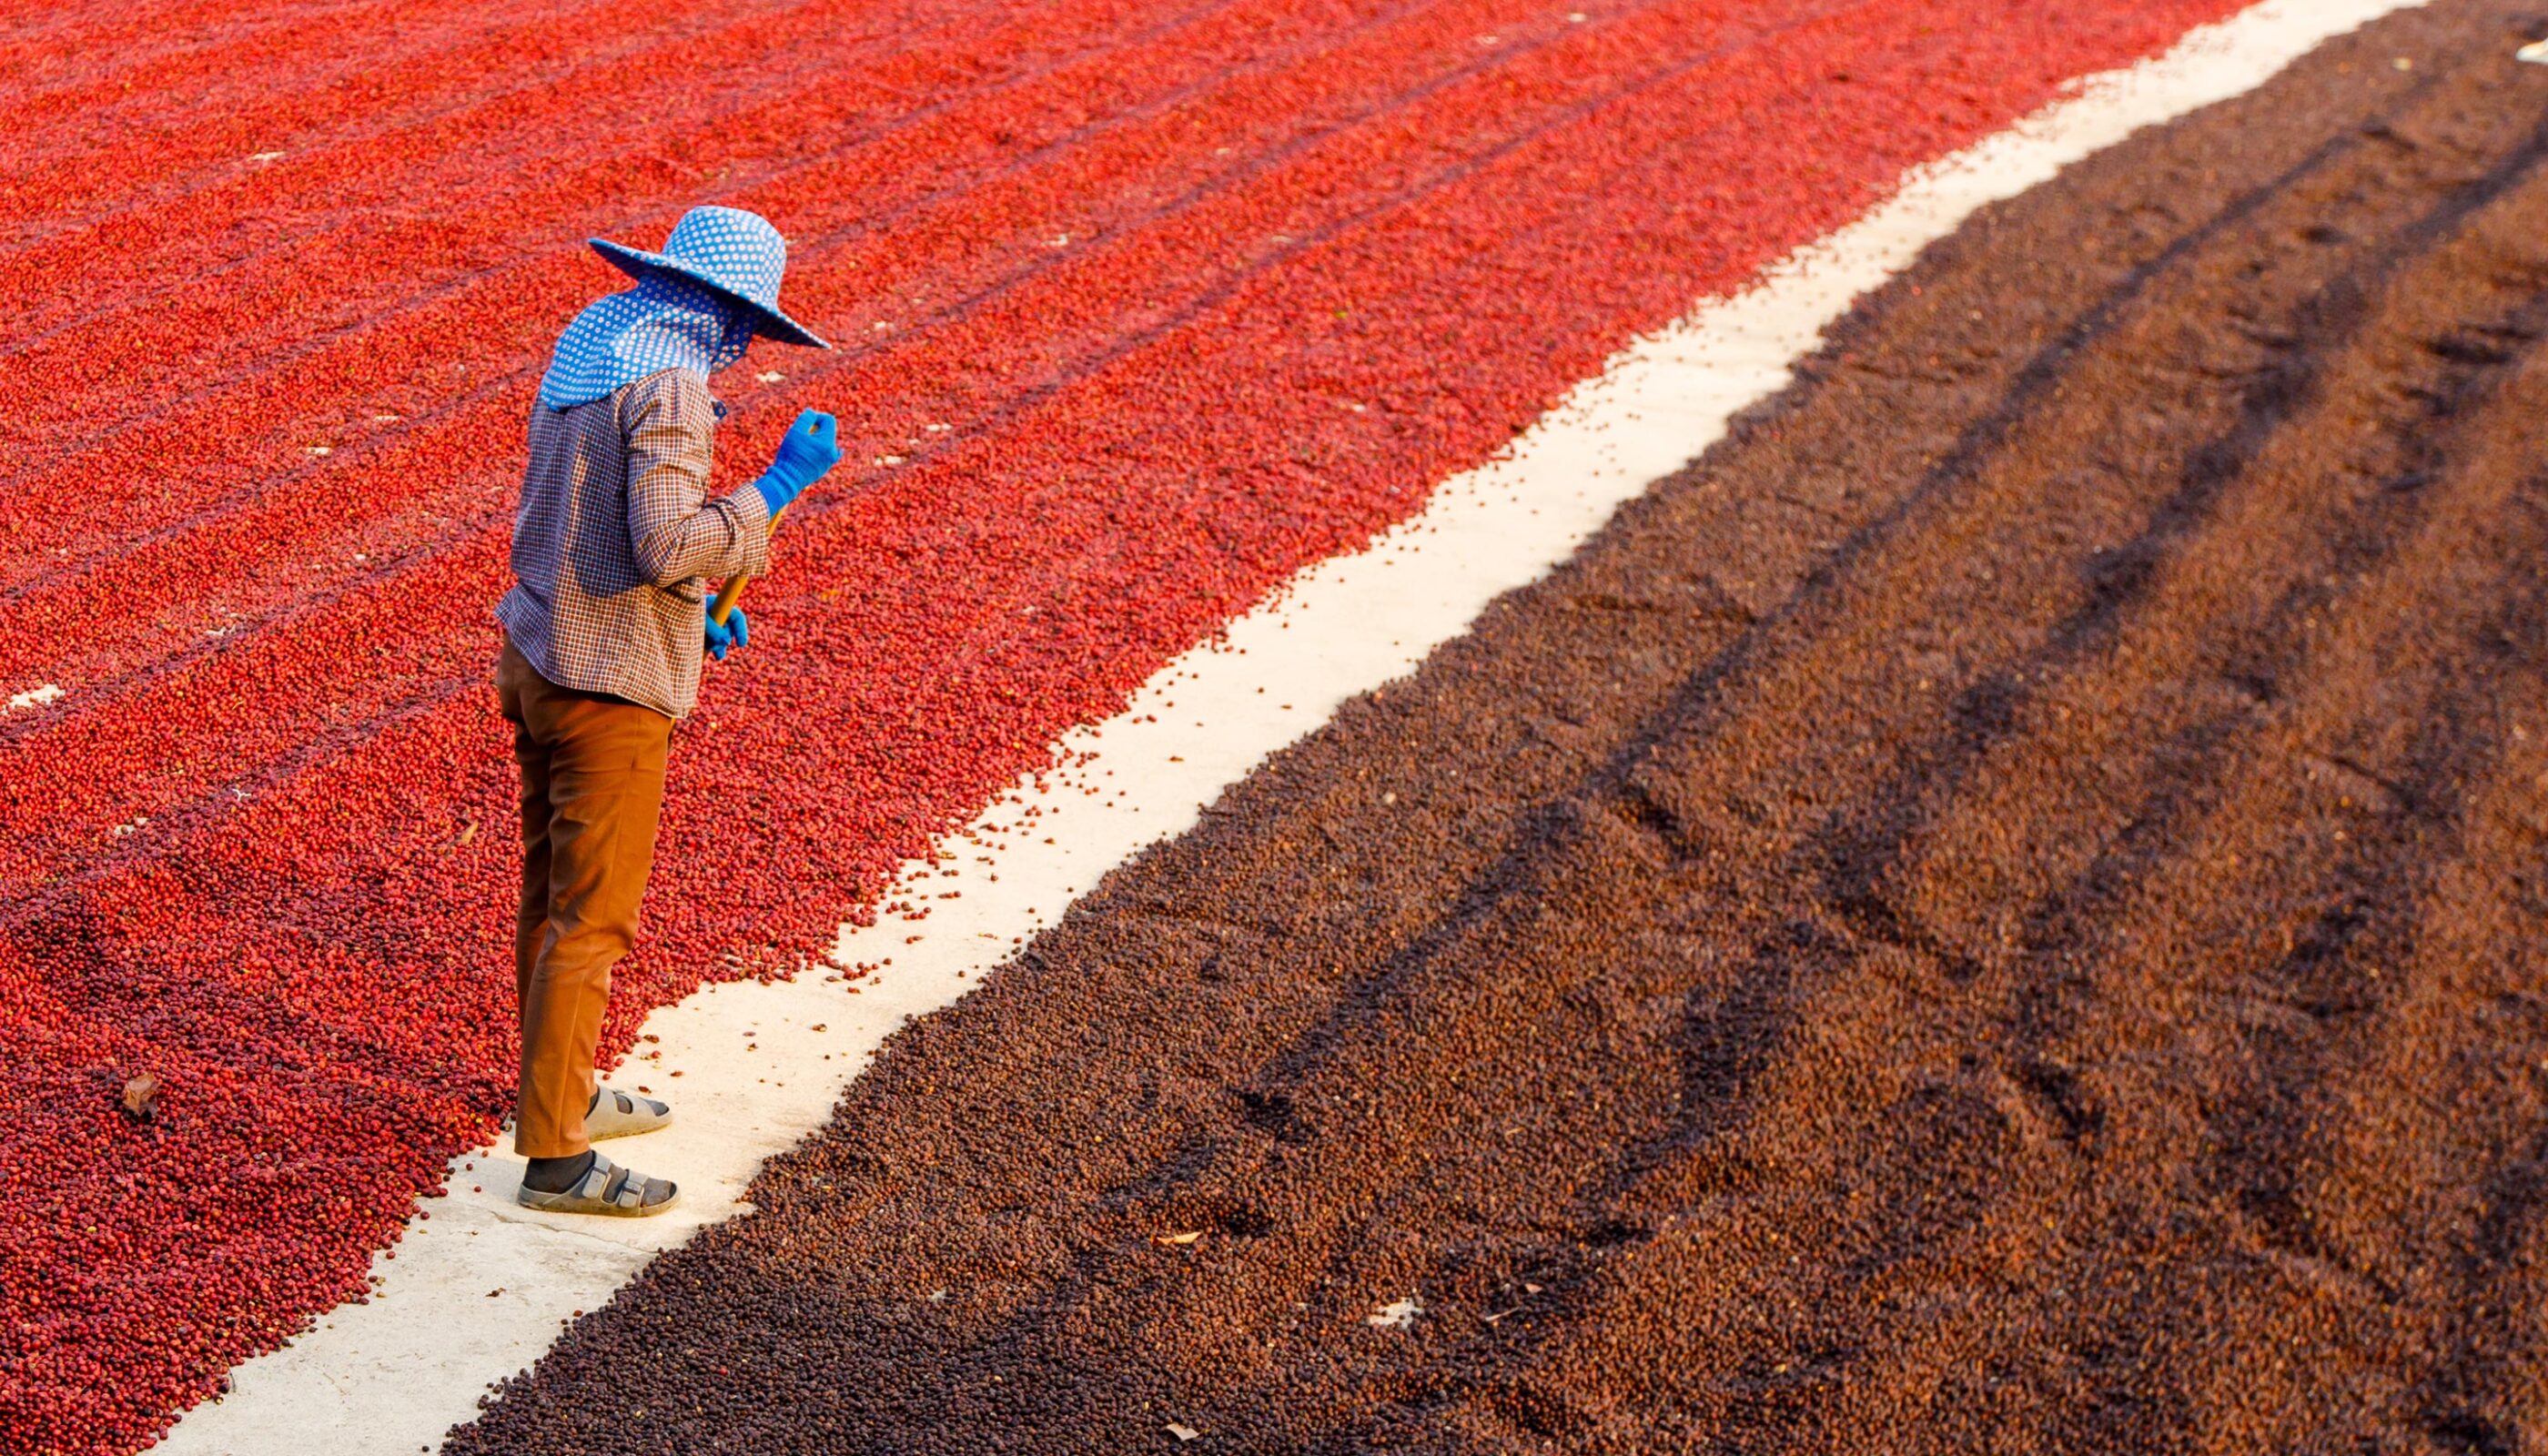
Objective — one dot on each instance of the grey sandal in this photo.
(616, 1113)
(608, 1190)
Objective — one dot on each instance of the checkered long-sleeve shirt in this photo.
(615, 539)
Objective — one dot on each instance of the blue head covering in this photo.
(697, 306)
(666, 322)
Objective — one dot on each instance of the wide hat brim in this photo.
(767, 321)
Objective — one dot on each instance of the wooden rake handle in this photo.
(732, 592)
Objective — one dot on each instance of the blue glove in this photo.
(734, 633)
(811, 449)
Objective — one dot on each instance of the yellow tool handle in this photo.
(732, 592)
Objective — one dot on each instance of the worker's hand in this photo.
(736, 632)
(811, 449)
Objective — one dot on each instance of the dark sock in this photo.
(556, 1174)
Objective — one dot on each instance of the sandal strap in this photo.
(629, 1103)
(597, 1178)
(625, 1188)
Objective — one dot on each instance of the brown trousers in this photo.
(593, 790)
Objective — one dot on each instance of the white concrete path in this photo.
(480, 1289)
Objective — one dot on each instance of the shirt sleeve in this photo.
(675, 530)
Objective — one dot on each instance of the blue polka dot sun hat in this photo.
(735, 252)
(697, 306)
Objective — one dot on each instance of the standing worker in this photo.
(605, 630)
